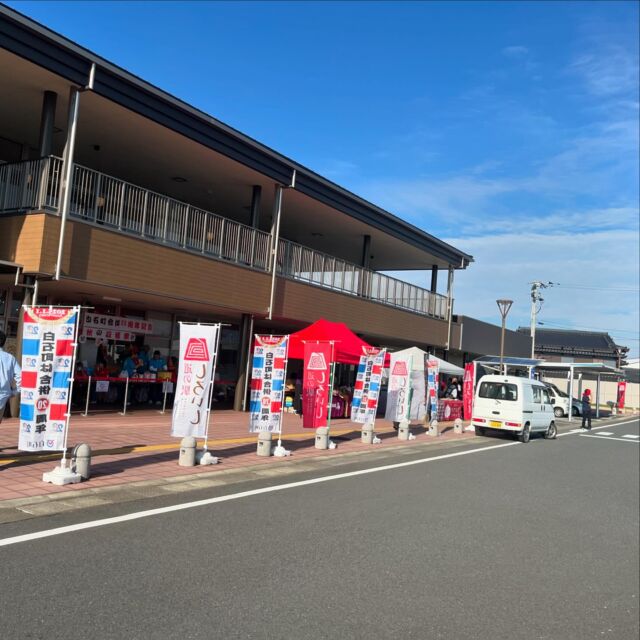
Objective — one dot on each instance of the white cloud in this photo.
(607, 70)
(515, 51)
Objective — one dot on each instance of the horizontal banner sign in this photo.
(118, 323)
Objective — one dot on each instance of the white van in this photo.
(510, 403)
(560, 402)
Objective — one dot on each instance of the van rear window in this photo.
(498, 391)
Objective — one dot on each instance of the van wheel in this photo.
(575, 412)
(526, 434)
(558, 412)
(480, 431)
(552, 432)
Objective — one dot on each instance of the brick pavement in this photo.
(138, 447)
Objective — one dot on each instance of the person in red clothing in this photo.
(586, 409)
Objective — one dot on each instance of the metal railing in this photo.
(301, 263)
(110, 202)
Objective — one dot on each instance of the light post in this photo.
(504, 306)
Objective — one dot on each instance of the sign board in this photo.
(367, 388)
(198, 344)
(115, 323)
(316, 382)
(48, 347)
(267, 383)
(622, 392)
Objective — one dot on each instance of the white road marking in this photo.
(234, 496)
(588, 435)
(630, 435)
(617, 424)
(606, 433)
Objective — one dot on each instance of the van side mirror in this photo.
(553, 400)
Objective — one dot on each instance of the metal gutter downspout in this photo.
(69, 148)
(275, 239)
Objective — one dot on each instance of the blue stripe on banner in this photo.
(30, 347)
(258, 362)
(60, 379)
(276, 384)
(26, 411)
(374, 386)
(71, 319)
(254, 407)
(355, 403)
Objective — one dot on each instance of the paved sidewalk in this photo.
(138, 447)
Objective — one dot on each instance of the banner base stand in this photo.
(280, 452)
(61, 476)
(205, 457)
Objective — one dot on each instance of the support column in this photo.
(366, 251)
(275, 239)
(67, 171)
(570, 394)
(434, 278)
(47, 121)
(242, 383)
(449, 306)
(597, 396)
(256, 196)
(365, 281)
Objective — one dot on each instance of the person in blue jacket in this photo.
(10, 375)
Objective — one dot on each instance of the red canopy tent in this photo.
(347, 348)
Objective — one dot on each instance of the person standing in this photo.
(10, 375)
(586, 409)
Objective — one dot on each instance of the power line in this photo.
(585, 287)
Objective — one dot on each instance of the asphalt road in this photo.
(516, 541)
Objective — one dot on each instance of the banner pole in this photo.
(63, 462)
(284, 383)
(164, 399)
(126, 395)
(86, 404)
(330, 399)
(211, 383)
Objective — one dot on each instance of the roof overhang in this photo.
(51, 51)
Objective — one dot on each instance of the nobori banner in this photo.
(433, 377)
(48, 347)
(398, 400)
(315, 384)
(367, 387)
(267, 383)
(198, 345)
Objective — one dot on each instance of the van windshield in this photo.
(562, 394)
(498, 391)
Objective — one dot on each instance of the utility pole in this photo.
(504, 306)
(536, 299)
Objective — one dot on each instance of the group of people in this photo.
(451, 389)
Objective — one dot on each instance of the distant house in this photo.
(564, 345)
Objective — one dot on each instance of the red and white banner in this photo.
(48, 352)
(433, 383)
(367, 387)
(117, 323)
(399, 388)
(198, 344)
(468, 388)
(267, 383)
(316, 383)
(622, 392)
(107, 334)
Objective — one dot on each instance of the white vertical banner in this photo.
(399, 388)
(198, 345)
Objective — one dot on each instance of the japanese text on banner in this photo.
(398, 401)
(198, 344)
(267, 383)
(433, 375)
(315, 384)
(47, 361)
(367, 387)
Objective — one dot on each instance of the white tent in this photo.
(417, 357)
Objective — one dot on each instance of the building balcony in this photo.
(111, 203)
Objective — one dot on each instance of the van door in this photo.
(537, 420)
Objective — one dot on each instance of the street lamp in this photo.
(504, 306)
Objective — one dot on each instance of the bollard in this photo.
(458, 427)
(434, 430)
(164, 399)
(264, 443)
(403, 430)
(126, 397)
(81, 460)
(367, 435)
(187, 452)
(322, 438)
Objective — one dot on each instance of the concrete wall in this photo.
(608, 390)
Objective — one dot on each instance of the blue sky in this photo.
(508, 129)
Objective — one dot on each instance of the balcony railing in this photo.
(33, 185)
(301, 263)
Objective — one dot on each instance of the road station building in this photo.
(120, 197)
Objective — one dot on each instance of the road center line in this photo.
(92, 524)
(573, 432)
